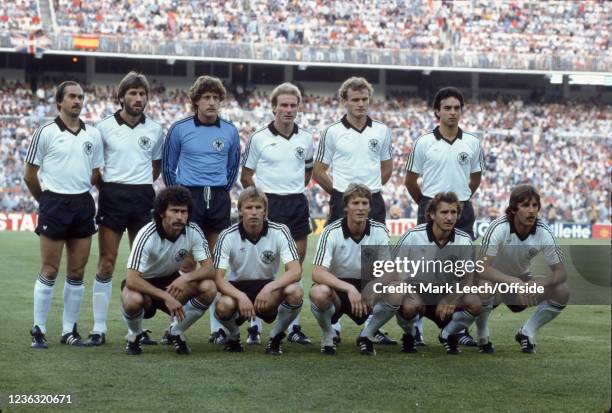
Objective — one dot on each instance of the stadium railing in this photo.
(133, 46)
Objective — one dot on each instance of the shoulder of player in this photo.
(93, 131)
(302, 131)
(259, 133)
(279, 228)
(498, 226)
(379, 124)
(106, 122)
(541, 226)
(227, 123)
(412, 232)
(377, 226)
(145, 234)
(46, 128)
(193, 228)
(462, 237)
(180, 123)
(331, 228)
(227, 232)
(469, 136)
(332, 127)
(425, 138)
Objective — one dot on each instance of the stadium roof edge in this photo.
(304, 63)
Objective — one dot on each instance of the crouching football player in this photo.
(337, 272)
(252, 250)
(438, 243)
(153, 279)
(508, 247)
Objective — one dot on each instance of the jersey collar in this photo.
(432, 238)
(275, 131)
(62, 126)
(347, 232)
(348, 125)
(439, 136)
(243, 234)
(513, 228)
(197, 122)
(163, 235)
(121, 121)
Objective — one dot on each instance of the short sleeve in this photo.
(325, 152)
(387, 149)
(286, 246)
(251, 154)
(199, 245)
(325, 249)
(223, 251)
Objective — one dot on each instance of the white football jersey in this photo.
(513, 254)
(66, 159)
(355, 156)
(247, 260)
(340, 253)
(129, 151)
(153, 255)
(279, 162)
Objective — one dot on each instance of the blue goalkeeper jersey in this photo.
(198, 154)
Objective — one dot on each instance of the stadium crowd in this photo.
(560, 148)
(19, 16)
(573, 27)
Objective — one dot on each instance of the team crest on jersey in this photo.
(532, 253)
(144, 142)
(267, 257)
(180, 255)
(300, 153)
(373, 145)
(218, 144)
(463, 158)
(88, 147)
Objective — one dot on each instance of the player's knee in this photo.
(207, 290)
(472, 304)
(225, 307)
(49, 272)
(106, 267)
(320, 295)
(409, 311)
(294, 294)
(561, 293)
(132, 302)
(473, 308)
(76, 275)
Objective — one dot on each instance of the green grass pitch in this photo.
(570, 372)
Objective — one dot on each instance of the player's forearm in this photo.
(156, 169)
(496, 276)
(475, 181)
(320, 275)
(204, 272)
(226, 288)
(136, 283)
(289, 277)
(558, 276)
(247, 181)
(34, 187)
(386, 170)
(322, 177)
(307, 176)
(413, 187)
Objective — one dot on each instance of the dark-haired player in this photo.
(508, 247)
(153, 279)
(132, 160)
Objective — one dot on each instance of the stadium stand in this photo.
(518, 26)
